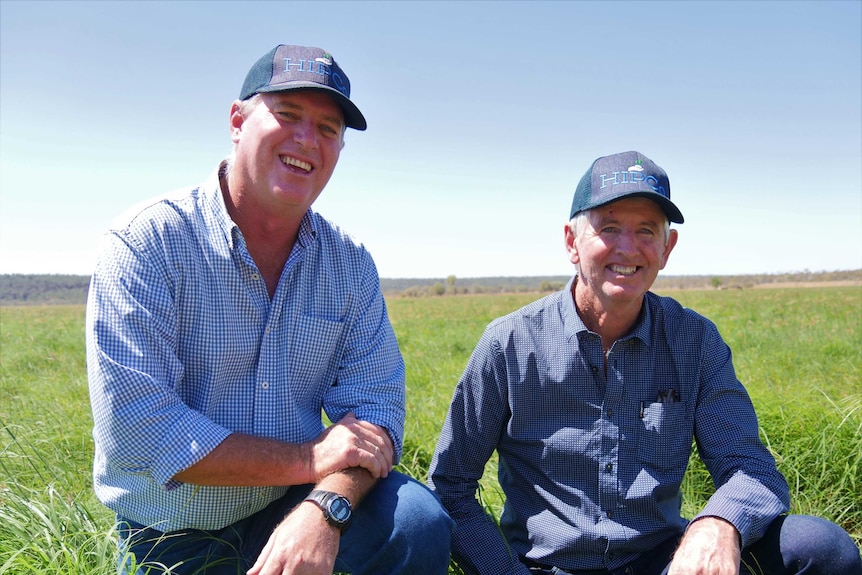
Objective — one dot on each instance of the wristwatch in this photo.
(336, 508)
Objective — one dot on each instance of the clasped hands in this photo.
(350, 443)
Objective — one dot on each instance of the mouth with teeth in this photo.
(623, 270)
(295, 163)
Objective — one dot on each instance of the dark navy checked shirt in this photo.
(591, 459)
(184, 346)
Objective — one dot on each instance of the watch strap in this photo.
(324, 500)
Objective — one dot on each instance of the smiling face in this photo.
(286, 147)
(619, 251)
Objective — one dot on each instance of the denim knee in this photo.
(823, 545)
(423, 526)
(816, 546)
(400, 527)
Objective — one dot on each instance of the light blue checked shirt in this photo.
(184, 346)
(591, 462)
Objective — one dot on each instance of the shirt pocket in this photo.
(315, 356)
(665, 437)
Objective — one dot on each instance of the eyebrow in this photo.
(605, 220)
(284, 103)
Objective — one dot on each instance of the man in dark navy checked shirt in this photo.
(591, 398)
(221, 320)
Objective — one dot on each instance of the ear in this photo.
(672, 238)
(236, 121)
(571, 244)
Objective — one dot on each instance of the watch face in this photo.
(340, 509)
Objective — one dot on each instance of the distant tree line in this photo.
(55, 289)
(43, 289)
(451, 285)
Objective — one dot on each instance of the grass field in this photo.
(799, 352)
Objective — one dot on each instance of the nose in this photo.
(627, 242)
(305, 134)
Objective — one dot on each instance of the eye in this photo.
(329, 130)
(287, 115)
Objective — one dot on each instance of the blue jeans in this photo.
(400, 527)
(793, 545)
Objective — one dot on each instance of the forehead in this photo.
(315, 101)
(642, 209)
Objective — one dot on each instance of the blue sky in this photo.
(482, 118)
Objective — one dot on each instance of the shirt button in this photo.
(609, 467)
(267, 330)
(255, 277)
(264, 385)
(610, 412)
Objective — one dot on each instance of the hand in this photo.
(710, 546)
(351, 443)
(302, 544)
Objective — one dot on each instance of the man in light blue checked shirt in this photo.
(591, 398)
(222, 320)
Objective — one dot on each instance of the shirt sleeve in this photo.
(476, 418)
(371, 374)
(140, 424)
(750, 491)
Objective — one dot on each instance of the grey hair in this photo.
(246, 106)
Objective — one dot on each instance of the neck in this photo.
(269, 237)
(610, 321)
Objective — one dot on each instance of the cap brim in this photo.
(353, 118)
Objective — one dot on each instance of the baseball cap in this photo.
(624, 175)
(302, 68)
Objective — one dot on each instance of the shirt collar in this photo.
(215, 201)
(215, 197)
(575, 325)
(571, 319)
(307, 231)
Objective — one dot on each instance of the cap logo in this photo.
(630, 176)
(638, 167)
(321, 67)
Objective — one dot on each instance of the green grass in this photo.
(799, 352)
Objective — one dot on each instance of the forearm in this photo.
(749, 503)
(255, 461)
(354, 484)
(750, 491)
(477, 543)
(245, 460)
(479, 548)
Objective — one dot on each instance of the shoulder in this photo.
(337, 255)
(336, 242)
(679, 322)
(157, 213)
(544, 313)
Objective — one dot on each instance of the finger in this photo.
(373, 462)
(373, 435)
(261, 559)
(377, 435)
(380, 456)
(382, 448)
